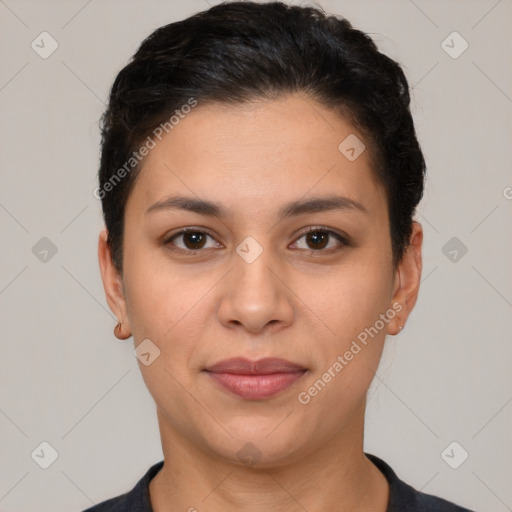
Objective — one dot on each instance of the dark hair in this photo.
(236, 52)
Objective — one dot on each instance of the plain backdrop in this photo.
(67, 381)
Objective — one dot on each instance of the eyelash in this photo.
(191, 252)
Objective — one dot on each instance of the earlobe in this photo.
(408, 275)
(397, 323)
(112, 281)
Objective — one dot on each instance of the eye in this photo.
(193, 241)
(319, 239)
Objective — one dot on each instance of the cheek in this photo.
(352, 335)
(163, 305)
(350, 299)
(151, 288)
(168, 311)
(349, 351)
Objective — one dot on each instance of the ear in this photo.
(407, 280)
(112, 281)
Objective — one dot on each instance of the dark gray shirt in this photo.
(402, 497)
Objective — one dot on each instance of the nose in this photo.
(255, 295)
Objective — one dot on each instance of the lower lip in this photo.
(256, 387)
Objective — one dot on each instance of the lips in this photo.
(255, 380)
(267, 366)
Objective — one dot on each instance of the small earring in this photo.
(401, 327)
(118, 334)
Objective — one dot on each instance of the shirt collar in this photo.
(138, 499)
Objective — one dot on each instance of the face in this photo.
(250, 281)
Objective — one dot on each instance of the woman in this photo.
(259, 176)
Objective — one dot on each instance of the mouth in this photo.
(255, 380)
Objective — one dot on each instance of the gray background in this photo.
(65, 379)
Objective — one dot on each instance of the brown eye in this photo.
(190, 241)
(194, 239)
(321, 240)
(317, 239)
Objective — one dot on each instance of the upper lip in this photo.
(243, 366)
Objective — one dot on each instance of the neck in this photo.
(335, 476)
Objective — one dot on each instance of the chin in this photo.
(254, 443)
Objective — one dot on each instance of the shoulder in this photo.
(404, 498)
(136, 500)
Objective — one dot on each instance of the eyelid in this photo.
(328, 230)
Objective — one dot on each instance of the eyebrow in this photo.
(294, 208)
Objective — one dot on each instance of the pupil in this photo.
(194, 237)
(315, 236)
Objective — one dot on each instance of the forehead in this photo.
(272, 149)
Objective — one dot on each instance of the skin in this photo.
(294, 301)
